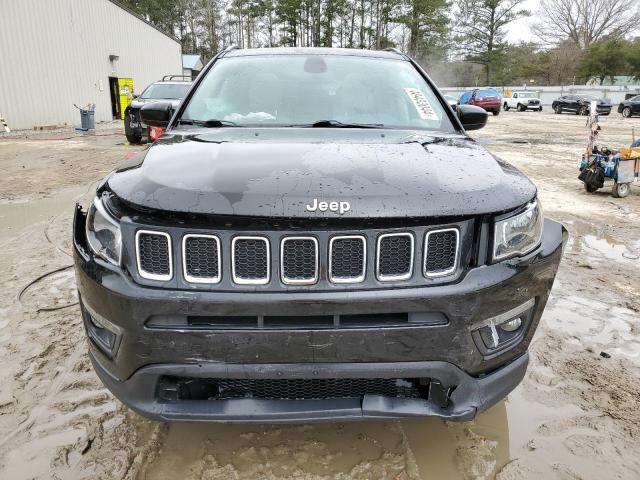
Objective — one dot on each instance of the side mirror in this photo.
(156, 114)
(472, 117)
(135, 95)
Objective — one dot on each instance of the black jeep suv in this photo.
(314, 237)
(171, 88)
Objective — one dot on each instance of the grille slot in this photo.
(299, 260)
(441, 252)
(347, 259)
(201, 258)
(250, 260)
(394, 258)
(153, 255)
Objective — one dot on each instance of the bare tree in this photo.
(586, 21)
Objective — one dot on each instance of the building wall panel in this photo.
(55, 53)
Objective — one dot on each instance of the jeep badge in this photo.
(340, 207)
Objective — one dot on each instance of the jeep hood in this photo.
(276, 172)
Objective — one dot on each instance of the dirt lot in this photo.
(576, 415)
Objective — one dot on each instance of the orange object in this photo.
(629, 152)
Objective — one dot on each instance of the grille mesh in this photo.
(347, 258)
(441, 251)
(251, 259)
(293, 389)
(153, 250)
(299, 259)
(395, 256)
(201, 257)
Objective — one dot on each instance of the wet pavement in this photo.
(575, 416)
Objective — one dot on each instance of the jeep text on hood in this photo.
(315, 237)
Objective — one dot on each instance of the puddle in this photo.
(595, 324)
(612, 249)
(596, 241)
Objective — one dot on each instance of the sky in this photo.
(520, 30)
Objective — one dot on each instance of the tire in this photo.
(133, 136)
(540, 109)
(496, 113)
(620, 190)
(626, 112)
(506, 107)
(521, 108)
(584, 110)
(589, 188)
(557, 109)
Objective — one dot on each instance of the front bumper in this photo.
(471, 395)
(447, 353)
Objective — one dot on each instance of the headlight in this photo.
(520, 234)
(103, 233)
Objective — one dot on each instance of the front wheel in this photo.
(584, 110)
(540, 109)
(621, 190)
(626, 112)
(557, 109)
(506, 107)
(521, 108)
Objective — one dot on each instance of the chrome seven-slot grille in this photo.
(299, 259)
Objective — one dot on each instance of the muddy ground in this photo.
(576, 415)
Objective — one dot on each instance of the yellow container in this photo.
(629, 152)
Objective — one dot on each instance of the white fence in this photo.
(548, 94)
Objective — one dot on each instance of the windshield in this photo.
(166, 91)
(526, 95)
(300, 90)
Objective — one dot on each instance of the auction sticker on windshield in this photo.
(421, 104)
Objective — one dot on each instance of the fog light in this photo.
(511, 325)
(104, 334)
(504, 330)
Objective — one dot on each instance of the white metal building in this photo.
(191, 65)
(54, 53)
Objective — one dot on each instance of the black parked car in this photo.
(314, 237)
(580, 104)
(630, 107)
(172, 88)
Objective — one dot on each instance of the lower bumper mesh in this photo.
(179, 388)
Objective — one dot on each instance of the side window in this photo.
(515, 95)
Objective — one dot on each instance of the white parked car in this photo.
(522, 100)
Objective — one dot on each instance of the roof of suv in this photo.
(313, 51)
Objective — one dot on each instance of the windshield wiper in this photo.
(213, 123)
(338, 124)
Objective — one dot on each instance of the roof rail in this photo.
(394, 50)
(184, 78)
(231, 47)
